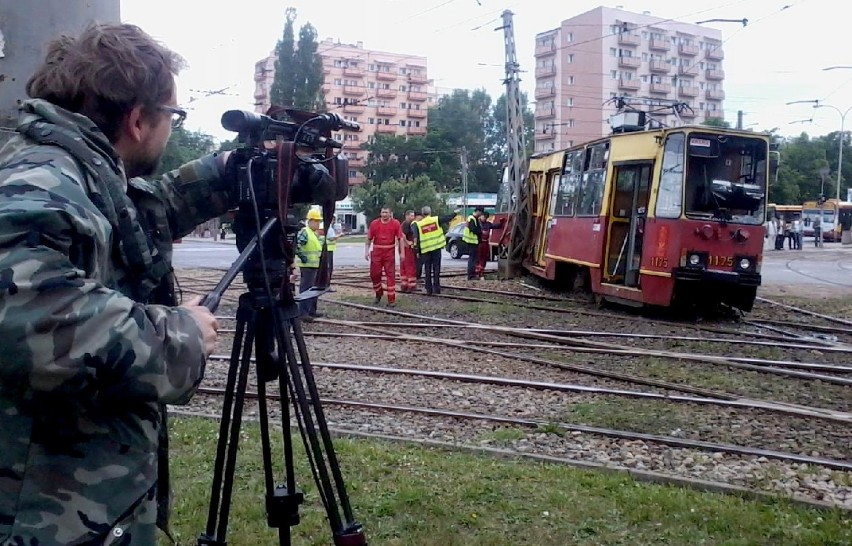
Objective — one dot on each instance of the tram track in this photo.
(780, 422)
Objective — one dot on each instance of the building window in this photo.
(570, 80)
(569, 101)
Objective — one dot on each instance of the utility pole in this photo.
(739, 119)
(464, 168)
(25, 31)
(519, 208)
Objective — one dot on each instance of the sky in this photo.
(778, 57)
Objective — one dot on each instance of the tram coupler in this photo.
(282, 507)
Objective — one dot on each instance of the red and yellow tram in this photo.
(654, 217)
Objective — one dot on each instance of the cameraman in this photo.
(93, 344)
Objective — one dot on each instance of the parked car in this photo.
(455, 246)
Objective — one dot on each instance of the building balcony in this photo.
(688, 49)
(386, 76)
(549, 135)
(714, 94)
(353, 71)
(545, 49)
(353, 108)
(714, 74)
(418, 95)
(662, 88)
(660, 44)
(715, 53)
(386, 129)
(418, 78)
(417, 114)
(544, 113)
(688, 70)
(629, 62)
(545, 92)
(416, 131)
(356, 162)
(386, 110)
(687, 91)
(657, 65)
(386, 93)
(687, 113)
(630, 85)
(545, 71)
(630, 39)
(353, 90)
(714, 114)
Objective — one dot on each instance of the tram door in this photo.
(628, 209)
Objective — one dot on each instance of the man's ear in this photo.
(134, 124)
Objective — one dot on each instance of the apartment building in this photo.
(386, 93)
(609, 52)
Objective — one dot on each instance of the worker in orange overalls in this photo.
(408, 265)
(385, 236)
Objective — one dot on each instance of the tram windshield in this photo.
(726, 178)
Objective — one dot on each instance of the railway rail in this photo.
(777, 427)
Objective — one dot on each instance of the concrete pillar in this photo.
(25, 31)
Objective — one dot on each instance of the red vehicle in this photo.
(656, 217)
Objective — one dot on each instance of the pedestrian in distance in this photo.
(818, 231)
(408, 266)
(332, 234)
(484, 250)
(384, 241)
(309, 250)
(94, 342)
(418, 262)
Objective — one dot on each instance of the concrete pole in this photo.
(25, 32)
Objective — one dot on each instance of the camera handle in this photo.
(273, 328)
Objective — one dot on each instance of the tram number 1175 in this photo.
(721, 261)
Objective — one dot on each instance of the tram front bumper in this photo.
(709, 276)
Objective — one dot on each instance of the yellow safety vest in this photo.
(468, 236)
(312, 249)
(431, 234)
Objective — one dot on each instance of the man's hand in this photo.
(367, 256)
(206, 322)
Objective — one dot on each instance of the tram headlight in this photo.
(694, 259)
(745, 264)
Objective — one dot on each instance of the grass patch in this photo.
(625, 414)
(421, 497)
(505, 435)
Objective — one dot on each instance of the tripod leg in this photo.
(229, 431)
(317, 438)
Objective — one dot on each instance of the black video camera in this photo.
(289, 160)
(279, 164)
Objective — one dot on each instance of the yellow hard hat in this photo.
(314, 214)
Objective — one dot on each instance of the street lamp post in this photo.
(840, 146)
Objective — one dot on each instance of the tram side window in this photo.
(670, 197)
(569, 183)
(592, 183)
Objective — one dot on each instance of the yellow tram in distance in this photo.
(653, 217)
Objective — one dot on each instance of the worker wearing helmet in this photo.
(308, 249)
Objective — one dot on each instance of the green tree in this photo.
(399, 195)
(283, 88)
(462, 119)
(308, 92)
(802, 173)
(298, 69)
(184, 146)
(497, 147)
(716, 122)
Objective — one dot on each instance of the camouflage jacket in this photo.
(88, 358)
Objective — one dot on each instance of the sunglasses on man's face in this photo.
(178, 115)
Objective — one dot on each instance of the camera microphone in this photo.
(336, 122)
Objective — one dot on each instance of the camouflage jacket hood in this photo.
(87, 362)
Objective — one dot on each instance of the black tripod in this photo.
(268, 323)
